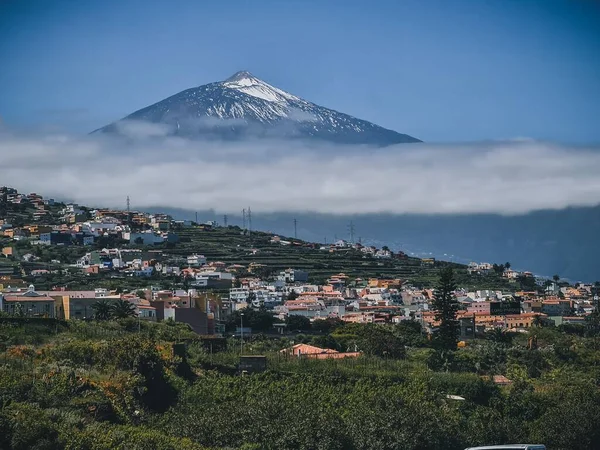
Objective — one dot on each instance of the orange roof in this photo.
(22, 298)
(498, 379)
(524, 315)
(311, 351)
(305, 349)
(366, 307)
(335, 355)
(300, 302)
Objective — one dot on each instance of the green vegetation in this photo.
(108, 384)
(445, 306)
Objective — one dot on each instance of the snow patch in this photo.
(255, 87)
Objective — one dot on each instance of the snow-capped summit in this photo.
(248, 84)
(245, 106)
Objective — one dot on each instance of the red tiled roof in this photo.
(310, 351)
(305, 349)
(22, 298)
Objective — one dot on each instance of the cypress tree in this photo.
(445, 306)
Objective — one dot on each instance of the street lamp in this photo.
(241, 334)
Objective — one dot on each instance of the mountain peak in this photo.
(247, 83)
(250, 107)
(241, 75)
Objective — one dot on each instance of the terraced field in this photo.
(231, 246)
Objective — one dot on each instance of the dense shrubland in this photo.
(111, 385)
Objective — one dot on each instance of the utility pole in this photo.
(295, 229)
(128, 211)
(244, 218)
(225, 220)
(351, 230)
(241, 334)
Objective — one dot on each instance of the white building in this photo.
(196, 260)
(145, 238)
(293, 276)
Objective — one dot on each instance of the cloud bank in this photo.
(281, 176)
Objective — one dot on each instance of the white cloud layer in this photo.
(275, 176)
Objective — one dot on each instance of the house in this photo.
(213, 279)
(56, 238)
(36, 230)
(72, 307)
(144, 238)
(384, 283)
(383, 254)
(239, 295)
(312, 352)
(168, 270)
(28, 304)
(293, 276)
(161, 225)
(194, 317)
(144, 272)
(84, 239)
(39, 272)
(196, 260)
(146, 312)
(526, 320)
(557, 307)
(72, 304)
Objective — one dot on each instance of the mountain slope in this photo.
(245, 106)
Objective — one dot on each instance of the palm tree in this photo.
(102, 310)
(556, 278)
(19, 310)
(122, 309)
(537, 321)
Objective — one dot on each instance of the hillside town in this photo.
(145, 259)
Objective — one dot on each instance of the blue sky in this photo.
(443, 71)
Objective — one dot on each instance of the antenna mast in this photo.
(244, 218)
(249, 219)
(351, 229)
(225, 220)
(295, 228)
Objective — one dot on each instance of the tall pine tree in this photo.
(445, 306)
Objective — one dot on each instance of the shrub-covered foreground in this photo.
(110, 385)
